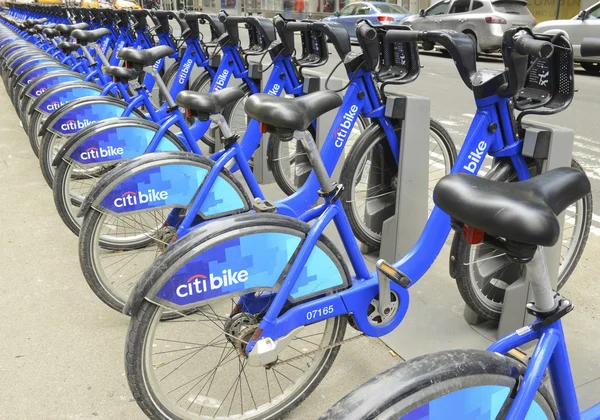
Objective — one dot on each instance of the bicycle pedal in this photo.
(264, 206)
(393, 274)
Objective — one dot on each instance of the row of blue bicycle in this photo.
(239, 304)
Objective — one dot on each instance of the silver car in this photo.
(585, 25)
(484, 21)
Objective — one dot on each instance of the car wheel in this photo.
(593, 68)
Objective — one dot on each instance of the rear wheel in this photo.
(467, 382)
(370, 175)
(483, 273)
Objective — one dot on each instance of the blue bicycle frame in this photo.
(550, 353)
(480, 141)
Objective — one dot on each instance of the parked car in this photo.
(484, 21)
(585, 25)
(376, 12)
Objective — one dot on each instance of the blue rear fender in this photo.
(166, 180)
(238, 254)
(81, 112)
(114, 139)
(57, 96)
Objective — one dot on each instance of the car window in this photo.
(477, 5)
(348, 10)
(460, 6)
(362, 10)
(512, 7)
(594, 14)
(392, 8)
(438, 9)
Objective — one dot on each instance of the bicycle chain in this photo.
(321, 348)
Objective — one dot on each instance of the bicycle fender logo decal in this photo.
(251, 262)
(130, 198)
(475, 157)
(199, 283)
(173, 185)
(75, 125)
(221, 80)
(47, 83)
(182, 78)
(114, 143)
(32, 75)
(345, 128)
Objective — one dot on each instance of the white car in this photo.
(585, 25)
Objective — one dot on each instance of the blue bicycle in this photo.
(264, 299)
(196, 190)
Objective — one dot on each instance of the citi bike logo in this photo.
(200, 283)
(475, 157)
(39, 91)
(100, 152)
(274, 90)
(120, 45)
(341, 133)
(221, 80)
(75, 124)
(184, 71)
(53, 106)
(130, 198)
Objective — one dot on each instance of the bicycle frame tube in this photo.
(479, 141)
(333, 146)
(551, 353)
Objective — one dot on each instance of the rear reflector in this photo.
(263, 128)
(472, 235)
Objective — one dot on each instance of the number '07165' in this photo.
(317, 313)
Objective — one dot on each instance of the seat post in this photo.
(539, 278)
(101, 55)
(162, 88)
(309, 145)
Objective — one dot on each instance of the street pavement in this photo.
(61, 349)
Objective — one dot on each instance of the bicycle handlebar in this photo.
(590, 47)
(525, 44)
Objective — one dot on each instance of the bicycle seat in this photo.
(291, 113)
(84, 36)
(145, 57)
(68, 47)
(50, 33)
(39, 28)
(66, 30)
(523, 212)
(123, 73)
(209, 103)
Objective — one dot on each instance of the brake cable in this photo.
(350, 81)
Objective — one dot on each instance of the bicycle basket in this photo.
(549, 87)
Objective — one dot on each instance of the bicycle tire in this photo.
(63, 199)
(143, 325)
(463, 258)
(410, 388)
(35, 124)
(90, 240)
(279, 166)
(370, 138)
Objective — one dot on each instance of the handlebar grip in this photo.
(397, 35)
(590, 47)
(298, 26)
(527, 45)
(366, 32)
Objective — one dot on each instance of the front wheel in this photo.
(460, 384)
(370, 176)
(483, 273)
